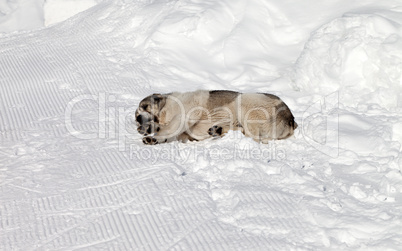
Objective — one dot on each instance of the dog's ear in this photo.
(156, 97)
(152, 104)
(159, 99)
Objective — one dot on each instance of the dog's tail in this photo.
(292, 123)
(287, 123)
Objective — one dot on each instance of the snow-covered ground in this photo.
(74, 173)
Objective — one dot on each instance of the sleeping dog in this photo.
(203, 114)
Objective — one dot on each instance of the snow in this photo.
(74, 173)
(55, 11)
(20, 15)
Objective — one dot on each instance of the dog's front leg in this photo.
(169, 132)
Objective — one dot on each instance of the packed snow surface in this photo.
(74, 173)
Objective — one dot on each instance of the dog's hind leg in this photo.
(184, 137)
(221, 128)
(215, 131)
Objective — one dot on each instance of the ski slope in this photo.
(74, 174)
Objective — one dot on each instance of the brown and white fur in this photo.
(203, 114)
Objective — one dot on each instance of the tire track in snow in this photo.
(31, 91)
(48, 70)
(91, 204)
(125, 204)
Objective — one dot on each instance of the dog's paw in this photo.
(148, 128)
(149, 140)
(215, 131)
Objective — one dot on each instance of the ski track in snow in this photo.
(90, 184)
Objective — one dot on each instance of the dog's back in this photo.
(261, 116)
(266, 117)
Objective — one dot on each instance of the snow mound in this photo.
(359, 55)
(24, 15)
(21, 15)
(225, 44)
(59, 10)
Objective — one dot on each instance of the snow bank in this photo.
(21, 15)
(25, 15)
(358, 55)
(231, 44)
(59, 10)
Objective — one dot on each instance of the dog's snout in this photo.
(139, 119)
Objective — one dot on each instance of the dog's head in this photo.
(147, 113)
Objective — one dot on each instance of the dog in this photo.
(202, 114)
